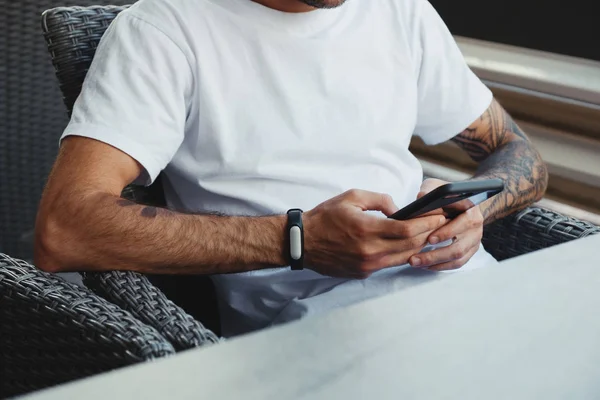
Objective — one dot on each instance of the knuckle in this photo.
(354, 193)
(366, 252)
(362, 228)
(415, 242)
(386, 198)
(348, 195)
(405, 230)
(458, 252)
(436, 222)
(362, 252)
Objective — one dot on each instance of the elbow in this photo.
(51, 247)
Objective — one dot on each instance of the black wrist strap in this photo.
(295, 239)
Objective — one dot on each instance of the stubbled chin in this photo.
(324, 3)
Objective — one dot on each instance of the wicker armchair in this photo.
(53, 331)
(72, 35)
(531, 230)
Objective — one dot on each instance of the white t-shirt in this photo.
(252, 111)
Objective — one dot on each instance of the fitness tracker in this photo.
(295, 232)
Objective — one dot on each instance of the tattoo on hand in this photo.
(503, 151)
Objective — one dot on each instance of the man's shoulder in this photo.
(168, 14)
(172, 18)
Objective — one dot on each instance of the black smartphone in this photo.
(453, 198)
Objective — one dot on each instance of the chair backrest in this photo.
(73, 35)
(53, 331)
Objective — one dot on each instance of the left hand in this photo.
(466, 232)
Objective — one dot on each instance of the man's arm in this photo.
(83, 224)
(503, 151)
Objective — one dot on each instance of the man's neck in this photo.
(292, 6)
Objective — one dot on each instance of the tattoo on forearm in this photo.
(126, 203)
(146, 211)
(503, 151)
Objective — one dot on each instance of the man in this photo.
(253, 108)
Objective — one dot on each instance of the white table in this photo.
(527, 329)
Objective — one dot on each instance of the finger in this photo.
(411, 245)
(387, 253)
(456, 251)
(430, 184)
(371, 201)
(455, 264)
(470, 219)
(396, 259)
(391, 228)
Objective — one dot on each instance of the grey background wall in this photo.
(565, 27)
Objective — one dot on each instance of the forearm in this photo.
(525, 178)
(105, 232)
(502, 150)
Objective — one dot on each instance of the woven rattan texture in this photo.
(32, 116)
(531, 230)
(53, 331)
(134, 293)
(72, 35)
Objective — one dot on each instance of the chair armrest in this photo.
(532, 229)
(135, 293)
(53, 331)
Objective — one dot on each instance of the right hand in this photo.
(342, 240)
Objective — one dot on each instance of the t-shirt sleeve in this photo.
(450, 96)
(136, 95)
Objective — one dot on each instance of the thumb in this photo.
(371, 201)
